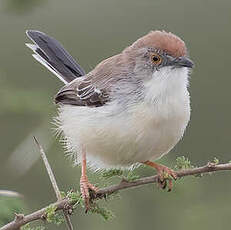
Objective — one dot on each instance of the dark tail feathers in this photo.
(51, 54)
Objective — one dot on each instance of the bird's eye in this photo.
(156, 59)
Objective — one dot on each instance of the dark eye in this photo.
(156, 59)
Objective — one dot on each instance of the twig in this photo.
(49, 170)
(53, 182)
(62, 204)
(68, 221)
(210, 167)
(37, 215)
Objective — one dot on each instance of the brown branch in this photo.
(210, 167)
(37, 215)
(63, 204)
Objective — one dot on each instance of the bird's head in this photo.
(158, 54)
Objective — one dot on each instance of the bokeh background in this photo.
(92, 31)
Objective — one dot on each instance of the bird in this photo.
(131, 109)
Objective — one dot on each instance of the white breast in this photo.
(121, 138)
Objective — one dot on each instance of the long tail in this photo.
(50, 53)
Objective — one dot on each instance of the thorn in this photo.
(36, 141)
(18, 217)
(43, 217)
(70, 211)
(211, 164)
(124, 180)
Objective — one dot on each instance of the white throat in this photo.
(167, 84)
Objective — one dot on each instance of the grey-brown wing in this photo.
(93, 89)
(82, 94)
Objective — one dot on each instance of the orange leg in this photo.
(85, 185)
(164, 174)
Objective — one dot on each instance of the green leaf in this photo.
(131, 176)
(216, 161)
(75, 198)
(183, 163)
(28, 227)
(52, 216)
(102, 211)
(111, 173)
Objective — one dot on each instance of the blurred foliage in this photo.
(8, 207)
(28, 227)
(105, 213)
(21, 6)
(21, 102)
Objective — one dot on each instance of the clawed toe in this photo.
(165, 175)
(86, 189)
(161, 183)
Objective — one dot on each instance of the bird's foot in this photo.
(86, 189)
(165, 175)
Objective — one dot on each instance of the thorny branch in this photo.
(21, 220)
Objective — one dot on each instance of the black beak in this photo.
(184, 62)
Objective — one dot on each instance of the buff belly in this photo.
(122, 139)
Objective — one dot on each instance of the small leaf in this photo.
(131, 176)
(75, 198)
(63, 194)
(28, 227)
(183, 163)
(111, 173)
(216, 161)
(52, 216)
(102, 211)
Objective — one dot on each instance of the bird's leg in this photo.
(164, 174)
(85, 186)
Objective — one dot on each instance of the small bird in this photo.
(131, 109)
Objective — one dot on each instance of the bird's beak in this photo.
(184, 62)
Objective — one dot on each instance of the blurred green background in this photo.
(92, 31)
